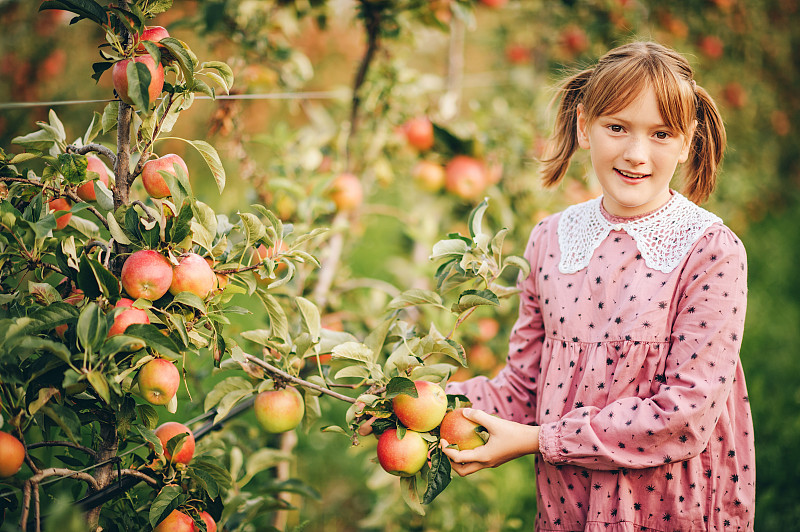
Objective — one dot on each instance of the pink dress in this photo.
(626, 353)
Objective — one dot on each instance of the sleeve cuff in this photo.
(549, 443)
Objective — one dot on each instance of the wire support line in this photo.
(308, 95)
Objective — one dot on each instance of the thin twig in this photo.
(93, 147)
(297, 380)
(86, 450)
(138, 474)
(66, 193)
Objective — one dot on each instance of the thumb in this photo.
(479, 416)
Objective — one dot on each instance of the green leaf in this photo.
(252, 227)
(438, 475)
(408, 488)
(213, 160)
(36, 344)
(155, 340)
(206, 482)
(377, 337)
(41, 140)
(181, 224)
(100, 385)
(415, 297)
(449, 248)
(110, 115)
(178, 51)
(474, 298)
(279, 323)
(149, 418)
(165, 502)
(65, 417)
(311, 317)
(176, 443)
(83, 8)
(95, 279)
(116, 231)
(476, 218)
(518, 262)
(212, 467)
(95, 126)
(191, 300)
(121, 343)
(72, 166)
(138, 85)
(92, 327)
(225, 387)
(229, 400)
(401, 385)
(354, 351)
(220, 72)
(204, 225)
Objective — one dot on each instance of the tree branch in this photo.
(297, 380)
(33, 484)
(57, 193)
(138, 474)
(93, 147)
(86, 450)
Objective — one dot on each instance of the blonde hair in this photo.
(617, 79)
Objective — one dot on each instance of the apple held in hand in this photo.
(93, 164)
(405, 457)
(424, 412)
(466, 177)
(192, 274)
(127, 317)
(60, 204)
(176, 521)
(119, 77)
(152, 180)
(158, 381)
(146, 273)
(279, 410)
(12, 454)
(458, 430)
(185, 450)
(346, 192)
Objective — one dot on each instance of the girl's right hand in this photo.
(507, 440)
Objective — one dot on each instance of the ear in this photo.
(582, 128)
(687, 144)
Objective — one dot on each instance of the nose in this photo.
(635, 152)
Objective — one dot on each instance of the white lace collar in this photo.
(663, 237)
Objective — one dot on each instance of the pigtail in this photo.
(564, 141)
(708, 147)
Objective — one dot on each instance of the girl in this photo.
(623, 373)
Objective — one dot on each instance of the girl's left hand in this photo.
(507, 440)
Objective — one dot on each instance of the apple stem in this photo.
(297, 380)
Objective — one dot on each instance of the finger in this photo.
(479, 416)
(366, 428)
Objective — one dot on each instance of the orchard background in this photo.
(327, 87)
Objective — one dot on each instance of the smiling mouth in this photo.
(631, 176)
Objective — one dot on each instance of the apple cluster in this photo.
(404, 453)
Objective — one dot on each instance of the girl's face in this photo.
(634, 155)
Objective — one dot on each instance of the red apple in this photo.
(185, 450)
(220, 279)
(466, 177)
(127, 317)
(146, 273)
(279, 410)
(12, 454)
(517, 54)
(458, 430)
(211, 526)
(60, 204)
(405, 457)
(487, 328)
(86, 190)
(419, 133)
(494, 3)
(176, 521)
(424, 412)
(153, 182)
(158, 381)
(712, 46)
(153, 34)
(428, 175)
(192, 274)
(347, 192)
(574, 39)
(119, 77)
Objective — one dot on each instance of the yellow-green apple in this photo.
(346, 192)
(146, 273)
(465, 177)
(402, 457)
(460, 431)
(211, 525)
(119, 77)
(93, 164)
(151, 33)
(152, 180)
(481, 357)
(12, 454)
(419, 133)
(424, 412)
(60, 204)
(428, 175)
(129, 316)
(185, 450)
(192, 274)
(176, 521)
(279, 410)
(158, 381)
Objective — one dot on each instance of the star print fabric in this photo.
(634, 377)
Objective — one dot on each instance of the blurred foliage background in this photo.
(485, 76)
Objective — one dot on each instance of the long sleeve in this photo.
(672, 417)
(512, 393)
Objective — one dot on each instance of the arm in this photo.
(677, 420)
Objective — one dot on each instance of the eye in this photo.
(616, 128)
(663, 135)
